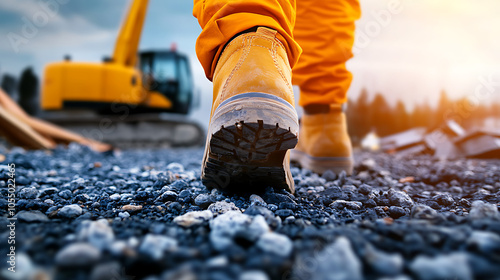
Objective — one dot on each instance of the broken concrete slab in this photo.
(403, 140)
(449, 141)
(452, 129)
(442, 145)
(480, 144)
(414, 150)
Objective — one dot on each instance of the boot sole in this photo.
(247, 144)
(322, 164)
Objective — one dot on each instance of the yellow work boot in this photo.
(253, 123)
(324, 143)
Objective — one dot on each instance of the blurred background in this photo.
(429, 61)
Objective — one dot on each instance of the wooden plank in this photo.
(19, 133)
(38, 133)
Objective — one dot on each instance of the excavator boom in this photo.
(129, 37)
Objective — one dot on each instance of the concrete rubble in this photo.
(449, 141)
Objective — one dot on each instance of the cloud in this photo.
(90, 27)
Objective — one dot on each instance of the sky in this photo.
(428, 46)
(411, 53)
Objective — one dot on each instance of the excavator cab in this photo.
(168, 73)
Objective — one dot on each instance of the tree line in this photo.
(364, 116)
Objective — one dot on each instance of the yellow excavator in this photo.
(127, 100)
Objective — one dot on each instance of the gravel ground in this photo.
(146, 215)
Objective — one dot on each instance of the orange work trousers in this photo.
(317, 34)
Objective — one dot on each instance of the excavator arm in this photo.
(129, 37)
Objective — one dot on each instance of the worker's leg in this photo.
(221, 20)
(253, 123)
(325, 31)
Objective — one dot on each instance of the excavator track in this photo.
(152, 130)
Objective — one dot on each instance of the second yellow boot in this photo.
(324, 143)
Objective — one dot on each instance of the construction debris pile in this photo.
(450, 141)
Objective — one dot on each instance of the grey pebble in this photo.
(155, 246)
(275, 243)
(28, 193)
(34, 216)
(77, 255)
(70, 211)
(452, 266)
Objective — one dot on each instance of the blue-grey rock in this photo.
(168, 196)
(397, 212)
(66, 194)
(194, 218)
(253, 275)
(275, 243)
(81, 198)
(368, 164)
(34, 216)
(481, 210)
(123, 215)
(336, 262)
(175, 167)
(70, 211)
(24, 269)
(485, 242)
(155, 246)
(342, 178)
(276, 198)
(424, 212)
(399, 198)
(28, 193)
(483, 268)
(365, 189)
(452, 266)
(221, 207)
(77, 255)
(344, 204)
(232, 224)
(97, 233)
(51, 210)
(204, 200)
(284, 213)
(349, 188)
(383, 263)
(329, 176)
(48, 191)
(49, 201)
(272, 207)
(444, 199)
(218, 262)
(288, 205)
(257, 200)
(78, 183)
(108, 271)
